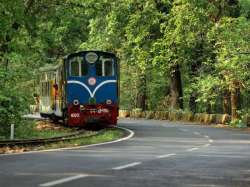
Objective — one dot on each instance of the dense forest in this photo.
(191, 55)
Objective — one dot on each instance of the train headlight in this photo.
(108, 101)
(91, 57)
(82, 107)
(76, 102)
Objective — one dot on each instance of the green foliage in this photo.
(33, 34)
(207, 87)
(209, 40)
(27, 130)
(245, 8)
(90, 137)
(238, 123)
(232, 45)
(12, 101)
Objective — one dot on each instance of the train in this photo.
(82, 89)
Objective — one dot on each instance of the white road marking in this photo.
(206, 145)
(61, 181)
(127, 166)
(184, 130)
(223, 156)
(206, 136)
(193, 149)
(205, 185)
(246, 171)
(244, 179)
(165, 156)
(211, 141)
(197, 133)
(131, 134)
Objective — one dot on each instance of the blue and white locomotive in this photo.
(83, 88)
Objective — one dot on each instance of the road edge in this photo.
(130, 135)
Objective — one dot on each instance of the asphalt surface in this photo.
(161, 153)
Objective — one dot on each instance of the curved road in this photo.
(161, 153)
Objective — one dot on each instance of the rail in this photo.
(23, 142)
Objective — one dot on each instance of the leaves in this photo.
(209, 40)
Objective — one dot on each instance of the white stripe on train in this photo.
(92, 94)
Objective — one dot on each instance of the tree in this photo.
(184, 31)
(231, 36)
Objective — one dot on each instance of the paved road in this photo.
(161, 153)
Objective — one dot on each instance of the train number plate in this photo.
(104, 110)
(75, 115)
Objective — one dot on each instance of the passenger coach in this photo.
(84, 88)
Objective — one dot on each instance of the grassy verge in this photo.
(90, 137)
(105, 135)
(28, 129)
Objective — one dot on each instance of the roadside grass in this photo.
(89, 138)
(27, 129)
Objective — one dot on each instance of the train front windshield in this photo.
(102, 65)
(105, 67)
(78, 67)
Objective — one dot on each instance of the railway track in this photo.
(25, 142)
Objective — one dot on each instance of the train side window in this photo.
(44, 88)
(48, 89)
(41, 88)
(74, 68)
(109, 68)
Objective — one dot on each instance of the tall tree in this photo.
(183, 36)
(232, 59)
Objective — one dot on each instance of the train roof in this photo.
(82, 52)
(53, 67)
(49, 67)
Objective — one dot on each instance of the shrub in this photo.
(12, 106)
(238, 123)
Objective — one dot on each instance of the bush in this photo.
(150, 114)
(226, 119)
(124, 113)
(12, 107)
(238, 123)
(246, 120)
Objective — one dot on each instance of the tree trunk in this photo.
(235, 100)
(142, 92)
(226, 102)
(209, 108)
(6, 65)
(176, 100)
(192, 103)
